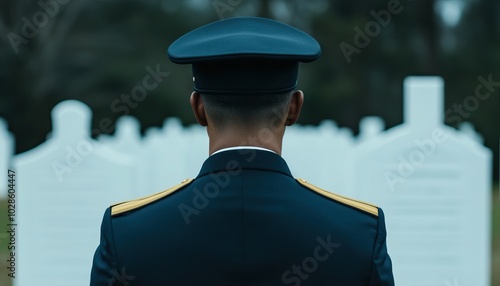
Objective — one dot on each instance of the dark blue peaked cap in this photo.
(247, 55)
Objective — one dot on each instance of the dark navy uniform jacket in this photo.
(244, 220)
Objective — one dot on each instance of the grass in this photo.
(5, 280)
(495, 255)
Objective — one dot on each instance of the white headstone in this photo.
(424, 102)
(174, 153)
(6, 153)
(197, 149)
(468, 129)
(369, 127)
(434, 185)
(127, 141)
(64, 186)
(319, 154)
(127, 138)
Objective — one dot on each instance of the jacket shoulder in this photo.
(141, 202)
(359, 205)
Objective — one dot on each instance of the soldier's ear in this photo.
(198, 108)
(295, 106)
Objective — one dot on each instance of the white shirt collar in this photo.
(242, 147)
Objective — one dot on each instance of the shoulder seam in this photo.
(137, 203)
(360, 205)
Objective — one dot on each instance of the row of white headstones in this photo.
(433, 182)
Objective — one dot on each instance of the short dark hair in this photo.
(246, 110)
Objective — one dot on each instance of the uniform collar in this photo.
(242, 159)
(241, 147)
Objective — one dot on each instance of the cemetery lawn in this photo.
(5, 280)
(495, 267)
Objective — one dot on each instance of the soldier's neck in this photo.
(262, 137)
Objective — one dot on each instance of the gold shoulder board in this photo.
(366, 207)
(137, 203)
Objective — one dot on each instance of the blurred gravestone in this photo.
(434, 185)
(127, 137)
(370, 127)
(319, 154)
(197, 149)
(173, 153)
(64, 186)
(6, 153)
(468, 129)
(127, 141)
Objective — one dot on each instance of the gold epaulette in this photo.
(366, 207)
(137, 203)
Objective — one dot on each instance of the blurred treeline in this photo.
(97, 50)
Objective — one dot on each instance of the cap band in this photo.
(247, 55)
(247, 77)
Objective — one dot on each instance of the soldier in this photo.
(244, 220)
